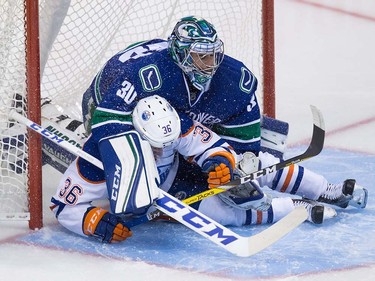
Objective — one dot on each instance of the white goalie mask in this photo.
(156, 121)
(196, 48)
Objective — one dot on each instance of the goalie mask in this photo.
(156, 121)
(196, 49)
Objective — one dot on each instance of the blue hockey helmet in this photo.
(196, 49)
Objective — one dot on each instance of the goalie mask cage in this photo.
(76, 37)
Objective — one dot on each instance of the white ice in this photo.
(325, 57)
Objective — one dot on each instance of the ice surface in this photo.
(324, 57)
(343, 242)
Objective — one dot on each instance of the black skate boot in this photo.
(317, 213)
(345, 194)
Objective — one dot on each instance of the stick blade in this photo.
(317, 117)
(317, 143)
(260, 241)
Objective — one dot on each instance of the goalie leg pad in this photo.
(52, 153)
(274, 134)
(88, 107)
(131, 174)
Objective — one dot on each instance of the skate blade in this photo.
(329, 213)
(359, 199)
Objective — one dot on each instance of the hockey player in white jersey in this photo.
(137, 161)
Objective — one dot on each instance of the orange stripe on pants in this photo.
(288, 178)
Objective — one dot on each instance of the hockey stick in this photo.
(315, 147)
(193, 219)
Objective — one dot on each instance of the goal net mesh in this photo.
(76, 39)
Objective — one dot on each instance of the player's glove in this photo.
(248, 195)
(105, 226)
(219, 167)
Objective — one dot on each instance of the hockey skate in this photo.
(317, 213)
(345, 194)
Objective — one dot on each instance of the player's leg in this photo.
(55, 121)
(226, 214)
(345, 194)
(65, 127)
(300, 181)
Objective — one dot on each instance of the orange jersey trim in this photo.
(288, 178)
(189, 131)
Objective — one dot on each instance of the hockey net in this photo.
(76, 39)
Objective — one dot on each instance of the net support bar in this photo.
(33, 112)
(268, 58)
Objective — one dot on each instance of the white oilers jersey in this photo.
(76, 192)
(196, 145)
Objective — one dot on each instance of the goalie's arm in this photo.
(242, 131)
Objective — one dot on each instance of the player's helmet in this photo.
(156, 121)
(196, 49)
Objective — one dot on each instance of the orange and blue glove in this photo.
(105, 226)
(219, 167)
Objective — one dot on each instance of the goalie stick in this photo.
(201, 224)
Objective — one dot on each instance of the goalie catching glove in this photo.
(107, 227)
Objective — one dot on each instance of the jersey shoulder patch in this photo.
(234, 70)
(248, 81)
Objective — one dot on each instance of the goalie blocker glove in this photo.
(107, 227)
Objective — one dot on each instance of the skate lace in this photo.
(308, 206)
(333, 191)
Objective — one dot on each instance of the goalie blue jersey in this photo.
(229, 107)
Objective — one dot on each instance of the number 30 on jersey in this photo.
(127, 92)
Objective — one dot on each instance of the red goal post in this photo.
(21, 163)
(76, 38)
